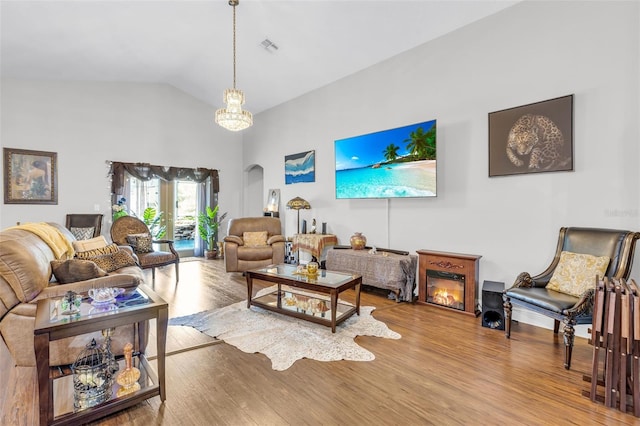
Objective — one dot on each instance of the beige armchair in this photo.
(253, 242)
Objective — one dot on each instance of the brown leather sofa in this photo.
(241, 255)
(26, 277)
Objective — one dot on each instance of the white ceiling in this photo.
(188, 44)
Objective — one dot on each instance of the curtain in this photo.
(144, 171)
(202, 203)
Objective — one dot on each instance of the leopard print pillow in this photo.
(87, 254)
(141, 243)
(113, 261)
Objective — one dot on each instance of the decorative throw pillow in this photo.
(255, 239)
(90, 244)
(88, 254)
(82, 233)
(113, 261)
(133, 238)
(576, 273)
(73, 270)
(141, 243)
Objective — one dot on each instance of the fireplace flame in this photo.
(443, 297)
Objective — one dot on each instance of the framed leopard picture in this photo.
(532, 138)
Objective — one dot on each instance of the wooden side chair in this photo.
(84, 226)
(131, 231)
(572, 306)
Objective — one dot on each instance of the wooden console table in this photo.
(457, 265)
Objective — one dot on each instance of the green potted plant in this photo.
(153, 220)
(119, 209)
(208, 224)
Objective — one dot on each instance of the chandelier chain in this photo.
(234, 46)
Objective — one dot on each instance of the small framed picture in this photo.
(532, 138)
(30, 177)
(273, 201)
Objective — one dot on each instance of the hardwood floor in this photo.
(446, 369)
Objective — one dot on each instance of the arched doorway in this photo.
(254, 191)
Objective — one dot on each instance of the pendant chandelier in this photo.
(232, 117)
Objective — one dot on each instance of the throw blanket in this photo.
(384, 270)
(59, 244)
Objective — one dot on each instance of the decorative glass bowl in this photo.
(104, 298)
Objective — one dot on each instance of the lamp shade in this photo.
(298, 204)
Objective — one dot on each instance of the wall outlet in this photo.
(96, 207)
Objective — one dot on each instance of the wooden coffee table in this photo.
(134, 307)
(310, 305)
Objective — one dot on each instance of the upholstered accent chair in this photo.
(84, 226)
(253, 242)
(583, 255)
(131, 231)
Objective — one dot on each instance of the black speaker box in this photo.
(492, 309)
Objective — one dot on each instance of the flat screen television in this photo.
(394, 163)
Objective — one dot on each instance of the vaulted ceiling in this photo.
(188, 44)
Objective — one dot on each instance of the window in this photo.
(142, 194)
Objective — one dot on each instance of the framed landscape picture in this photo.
(532, 138)
(30, 177)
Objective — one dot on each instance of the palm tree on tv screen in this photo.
(391, 152)
(422, 145)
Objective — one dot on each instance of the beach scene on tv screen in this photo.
(392, 163)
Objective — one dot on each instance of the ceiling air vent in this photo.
(268, 45)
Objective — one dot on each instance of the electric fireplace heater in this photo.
(448, 281)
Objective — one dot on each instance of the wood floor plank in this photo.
(20, 406)
(446, 369)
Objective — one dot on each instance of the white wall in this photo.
(530, 52)
(87, 124)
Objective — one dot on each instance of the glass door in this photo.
(185, 195)
(176, 202)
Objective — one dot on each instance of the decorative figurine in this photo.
(313, 227)
(70, 303)
(128, 378)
